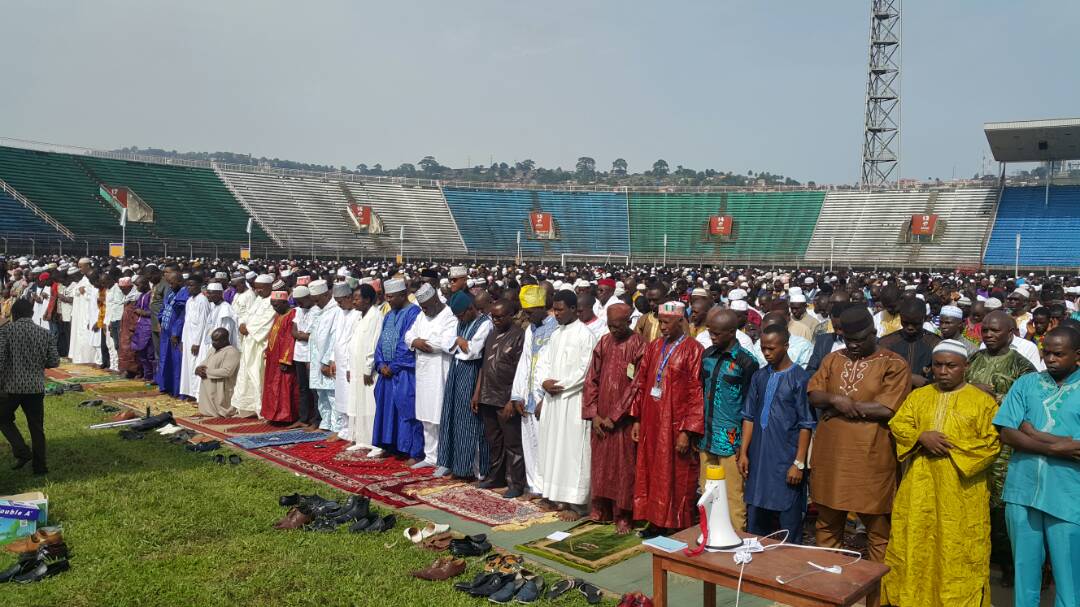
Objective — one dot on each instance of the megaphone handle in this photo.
(704, 523)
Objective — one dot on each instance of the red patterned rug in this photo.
(383, 479)
(478, 505)
(255, 428)
(215, 421)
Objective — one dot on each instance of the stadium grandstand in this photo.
(58, 197)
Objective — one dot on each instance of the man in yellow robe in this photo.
(939, 552)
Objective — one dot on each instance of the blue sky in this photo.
(766, 85)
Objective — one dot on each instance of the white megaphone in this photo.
(717, 531)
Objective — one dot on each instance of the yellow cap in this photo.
(714, 473)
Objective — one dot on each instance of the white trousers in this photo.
(431, 442)
(530, 450)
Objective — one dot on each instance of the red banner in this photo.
(120, 194)
(361, 213)
(923, 225)
(720, 225)
(541, 222)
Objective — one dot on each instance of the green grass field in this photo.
(149, 523)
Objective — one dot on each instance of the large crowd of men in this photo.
(938, 413)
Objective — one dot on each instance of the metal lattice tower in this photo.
(881, 140)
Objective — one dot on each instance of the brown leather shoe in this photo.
(125, 415)
(438, 542)
(293, 520)
(443, 568)
(41, 537)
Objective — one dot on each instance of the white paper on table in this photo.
(558, 536)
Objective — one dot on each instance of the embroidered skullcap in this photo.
(736, 294)
(342, 290)
(459, 302)
(699, 292)
(1022, 293)
(220, 275)
(72, 271)
(739, 305)
(963, 301)
(303, 280)
(125, 281)
(279, 285)
(395, 285)
(318, 287)
(84, 261)
(264, 279)
(952, 346)
(424, 293)
(606, 282)
(458, 272)
(808, 281)
(993, 303)
(279, 296)
(300, 291)
(250, 275)
(673, 308)
(581, 283)
(532, 296)
(855, 319)
(952, 312)
(797, 298)
(214, 286)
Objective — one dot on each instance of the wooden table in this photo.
(858, 581)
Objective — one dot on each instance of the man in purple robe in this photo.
(142, 343)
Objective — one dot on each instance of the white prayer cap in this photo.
(797, 298)
(953, 346)
(300, 291)
(444, 281)
(833, 279)
(952, 312)
(567, 287)
(910, 287)
(699, 293)
(640, 287)
(458, 272)
(557, 284)
(920, 297)
(993, 303)
(795, 291)
(581, 284)
(963, 301)
(214, 286)
(343, 271)
(499, 283)
(84, 260)
(424, 293)
(72, 271)
(318, 287)
(286, 273)
(808, 280)
(250, 275)
(470, 283)
(739, 305)
(125, 281)
(1022, 292)
(220, 275)
(264, 279)
(279, 285)
(186, 275)
(736, 294)
(394, 285)
(341, 289)
(242, 267)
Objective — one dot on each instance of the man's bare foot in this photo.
(623, 527)
(410, 461)
(501, 490)
(568, 514)
(310, 428)
(295, 425)
(333, 438)
(546, 506)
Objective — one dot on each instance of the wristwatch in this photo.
(800, 465)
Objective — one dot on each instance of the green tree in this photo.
(660, 168)
(585, 168)
(430, 166)
(619, 166)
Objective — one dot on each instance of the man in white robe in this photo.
(367, 326)
(526, 392)
(255, 327)
(565, 450)
(342, 359)
(196, 315)
(321, 375)
(242, 302)
(431, 337)
(221, 316)
(84, 312)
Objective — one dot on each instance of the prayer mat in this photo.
(287, 437)
(255, 428)
(478, 505)
(214, 421)
(161, 403)
(122, 386)
(94, 379)
(382, 479)
(56, 374)
(590, 547)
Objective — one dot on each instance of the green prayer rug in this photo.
(590, 547)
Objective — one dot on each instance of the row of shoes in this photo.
(41, 555)
(60, 388)
(316, 513)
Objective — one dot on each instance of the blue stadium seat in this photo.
(1048, 232)
(586, 222)
(17, 219)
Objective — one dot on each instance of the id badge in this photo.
(655, 392)
(630, 370)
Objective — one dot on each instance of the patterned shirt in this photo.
(26, 350)
(725, 376)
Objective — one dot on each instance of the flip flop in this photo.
(90, 403)
(234, 460)
(560, 588)
(591, 592)
(219, 459)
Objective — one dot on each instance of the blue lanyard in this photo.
(665, 354)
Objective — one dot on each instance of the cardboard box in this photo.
(20, 515)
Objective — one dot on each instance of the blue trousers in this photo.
(760, 521)
(1032, 533)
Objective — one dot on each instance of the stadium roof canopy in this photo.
(1034, 140)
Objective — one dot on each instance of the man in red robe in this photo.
(607, 399)
(281, 392)
(129, 365)
(669, 410)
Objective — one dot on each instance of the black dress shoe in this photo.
(508, 591)
(21, 568)
(385, 523)
(493, 584)
(491, 484)
(42, 571)
(362, 524)
(321, 524)
(470, 548)
(20, 462)
(481, 578)
(360, 509)
(204, 447)
(286, 501)
(513, 493)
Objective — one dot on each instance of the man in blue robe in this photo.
(171, 319)
(462, 449)
(396, 427)
(1040, 420)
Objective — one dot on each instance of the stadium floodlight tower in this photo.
(881, 137)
